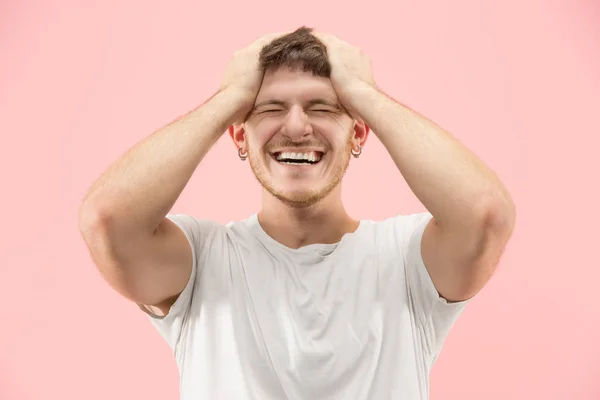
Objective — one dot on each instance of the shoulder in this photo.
(209, 237)
(193, 224)
(198, 231)
(402, 229)
(206, 227)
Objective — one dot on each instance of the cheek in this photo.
(256, 138)
(258, 135)
(335, 133)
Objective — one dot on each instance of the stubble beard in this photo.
(307, 198)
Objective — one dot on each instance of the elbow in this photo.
(91, 218)
(496, 229)
(500, 217)
(95, 231)
(92, 227)
(489, 239)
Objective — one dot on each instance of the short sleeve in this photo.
(435, 315)
(199, 234)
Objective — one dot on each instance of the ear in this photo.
(361, 133)
(238, 135)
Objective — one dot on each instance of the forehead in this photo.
(295, 86)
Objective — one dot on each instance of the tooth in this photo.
(311, 156)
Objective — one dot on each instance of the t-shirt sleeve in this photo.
(198, 233)
(434, 314)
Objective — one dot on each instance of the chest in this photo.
(307, 325)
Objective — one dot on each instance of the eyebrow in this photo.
(319, 101)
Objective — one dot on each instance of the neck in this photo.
(325, 222)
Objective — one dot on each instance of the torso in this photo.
(323, 321)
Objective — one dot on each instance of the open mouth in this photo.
(298, 158)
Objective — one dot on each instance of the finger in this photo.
(321, 36)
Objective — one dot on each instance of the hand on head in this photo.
(244, 75)
(350, 71)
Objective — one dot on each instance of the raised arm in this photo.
(473, 213)
(143, 255)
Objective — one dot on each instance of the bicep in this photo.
(165, 264)
(460, 263)
(150, 269)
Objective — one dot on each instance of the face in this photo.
(298, 137)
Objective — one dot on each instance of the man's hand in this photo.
(350, 70)
(244, 76)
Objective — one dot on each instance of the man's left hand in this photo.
(351, 71)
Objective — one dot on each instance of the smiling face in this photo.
(298, 137)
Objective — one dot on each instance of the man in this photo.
(300, 300)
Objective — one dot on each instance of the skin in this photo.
(473, 213)
(296, 111)
(122, 219)
(147, 259)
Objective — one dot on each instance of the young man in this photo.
(300, 301)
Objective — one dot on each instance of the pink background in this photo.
(517, 82)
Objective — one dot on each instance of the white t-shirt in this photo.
(355, 320)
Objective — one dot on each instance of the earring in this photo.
(357, 153)
(241, 155)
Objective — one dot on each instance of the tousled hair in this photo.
(296, 50)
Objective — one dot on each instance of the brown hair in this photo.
(298, 50)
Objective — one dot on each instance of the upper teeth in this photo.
(311, 156)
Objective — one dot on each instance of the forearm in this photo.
(140, 188)
(451, 182)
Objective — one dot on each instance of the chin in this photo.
(298, 186)
(300, 198)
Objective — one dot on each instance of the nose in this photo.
(296, 123)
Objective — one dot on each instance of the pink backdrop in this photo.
(517, 82)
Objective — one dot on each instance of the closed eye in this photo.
(319, 110)
(270, 111)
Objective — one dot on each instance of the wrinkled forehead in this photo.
(295, 86)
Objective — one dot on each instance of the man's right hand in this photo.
(244, 75)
